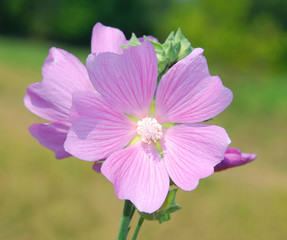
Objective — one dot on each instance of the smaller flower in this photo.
(234, 157)
(64, 74)
(51, 99)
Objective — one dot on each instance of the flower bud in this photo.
(234, 157)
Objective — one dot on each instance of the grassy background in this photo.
(44, 198)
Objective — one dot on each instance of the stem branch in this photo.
(140, 222)
(128, 212)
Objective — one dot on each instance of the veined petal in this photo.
(191, 151)
(138, 174)
(98, 129)
(107, 39)
(52, 136)
(129, 80)
(62, 74)
(188, 94)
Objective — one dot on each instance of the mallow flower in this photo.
(64, 74)
(149, 134)
(234, 157)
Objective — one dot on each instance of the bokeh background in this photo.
(245, 42)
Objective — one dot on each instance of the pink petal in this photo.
(138, 174)
(98, 129)
(129, 80)
(62, 74)
(107, 39)
(233, 158)
(188, 94)
(52, 136)
(191, 151)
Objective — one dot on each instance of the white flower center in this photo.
(149, 129)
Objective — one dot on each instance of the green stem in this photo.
(128, 212)
(140, 222)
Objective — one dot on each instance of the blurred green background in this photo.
(245, 44)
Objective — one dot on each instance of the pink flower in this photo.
(126, 85)
(64, 74)
(233, 158)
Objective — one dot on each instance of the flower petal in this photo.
(62, 74)
(98, 129)
(138, 174)
(188, 94)
(234, 157)
(191, 151)
(52, 136)
(129, 80)
(107, 39)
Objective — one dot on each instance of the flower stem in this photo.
(128, 213)
(140, 222)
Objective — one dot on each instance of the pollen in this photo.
(149, 130)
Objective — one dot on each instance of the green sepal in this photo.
(136, 139)
(185, 48)
(152, 108)
(158, 148)
(168, 125)
(170, 37)
(175, 48)
(168, 207)
(172, 51)
(162, 59)
(132, 42)
(157, 46)
(134, 119)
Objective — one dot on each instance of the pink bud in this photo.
(98, 165)
(234, 157)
